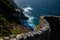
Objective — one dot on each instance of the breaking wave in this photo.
(28, 14)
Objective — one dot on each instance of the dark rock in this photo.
(7, 8)
(54, 22)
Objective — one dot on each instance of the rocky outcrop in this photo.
(54, 25)
(10, 22)
(54, 22)
(42, 22)
(8, 10)
(42, 33)
(7, 28)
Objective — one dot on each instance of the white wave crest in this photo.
(27, 9)
(28, 14)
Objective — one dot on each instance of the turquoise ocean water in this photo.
(36, 8)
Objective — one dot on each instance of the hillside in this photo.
(10, 23)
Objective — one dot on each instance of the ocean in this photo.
(33, 9)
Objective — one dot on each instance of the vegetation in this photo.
(16, 31)
(6, 28)
(37, 27)
(9, 24)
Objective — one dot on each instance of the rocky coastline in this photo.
(9, 19)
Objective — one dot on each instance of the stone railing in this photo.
(41, 34)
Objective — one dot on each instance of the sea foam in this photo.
(28, 14)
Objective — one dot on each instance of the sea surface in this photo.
(36, 8)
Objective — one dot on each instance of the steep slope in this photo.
(10, 22)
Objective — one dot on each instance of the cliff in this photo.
(10, 23)
(53, 21)
(54, 25)
(42, 33)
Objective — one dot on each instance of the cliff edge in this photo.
(10, 23)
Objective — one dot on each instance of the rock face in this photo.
(43, 22)
(54, 22)
(40, 34)
(10, 20)
(7, 8)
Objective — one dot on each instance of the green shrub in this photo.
(16, 31)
